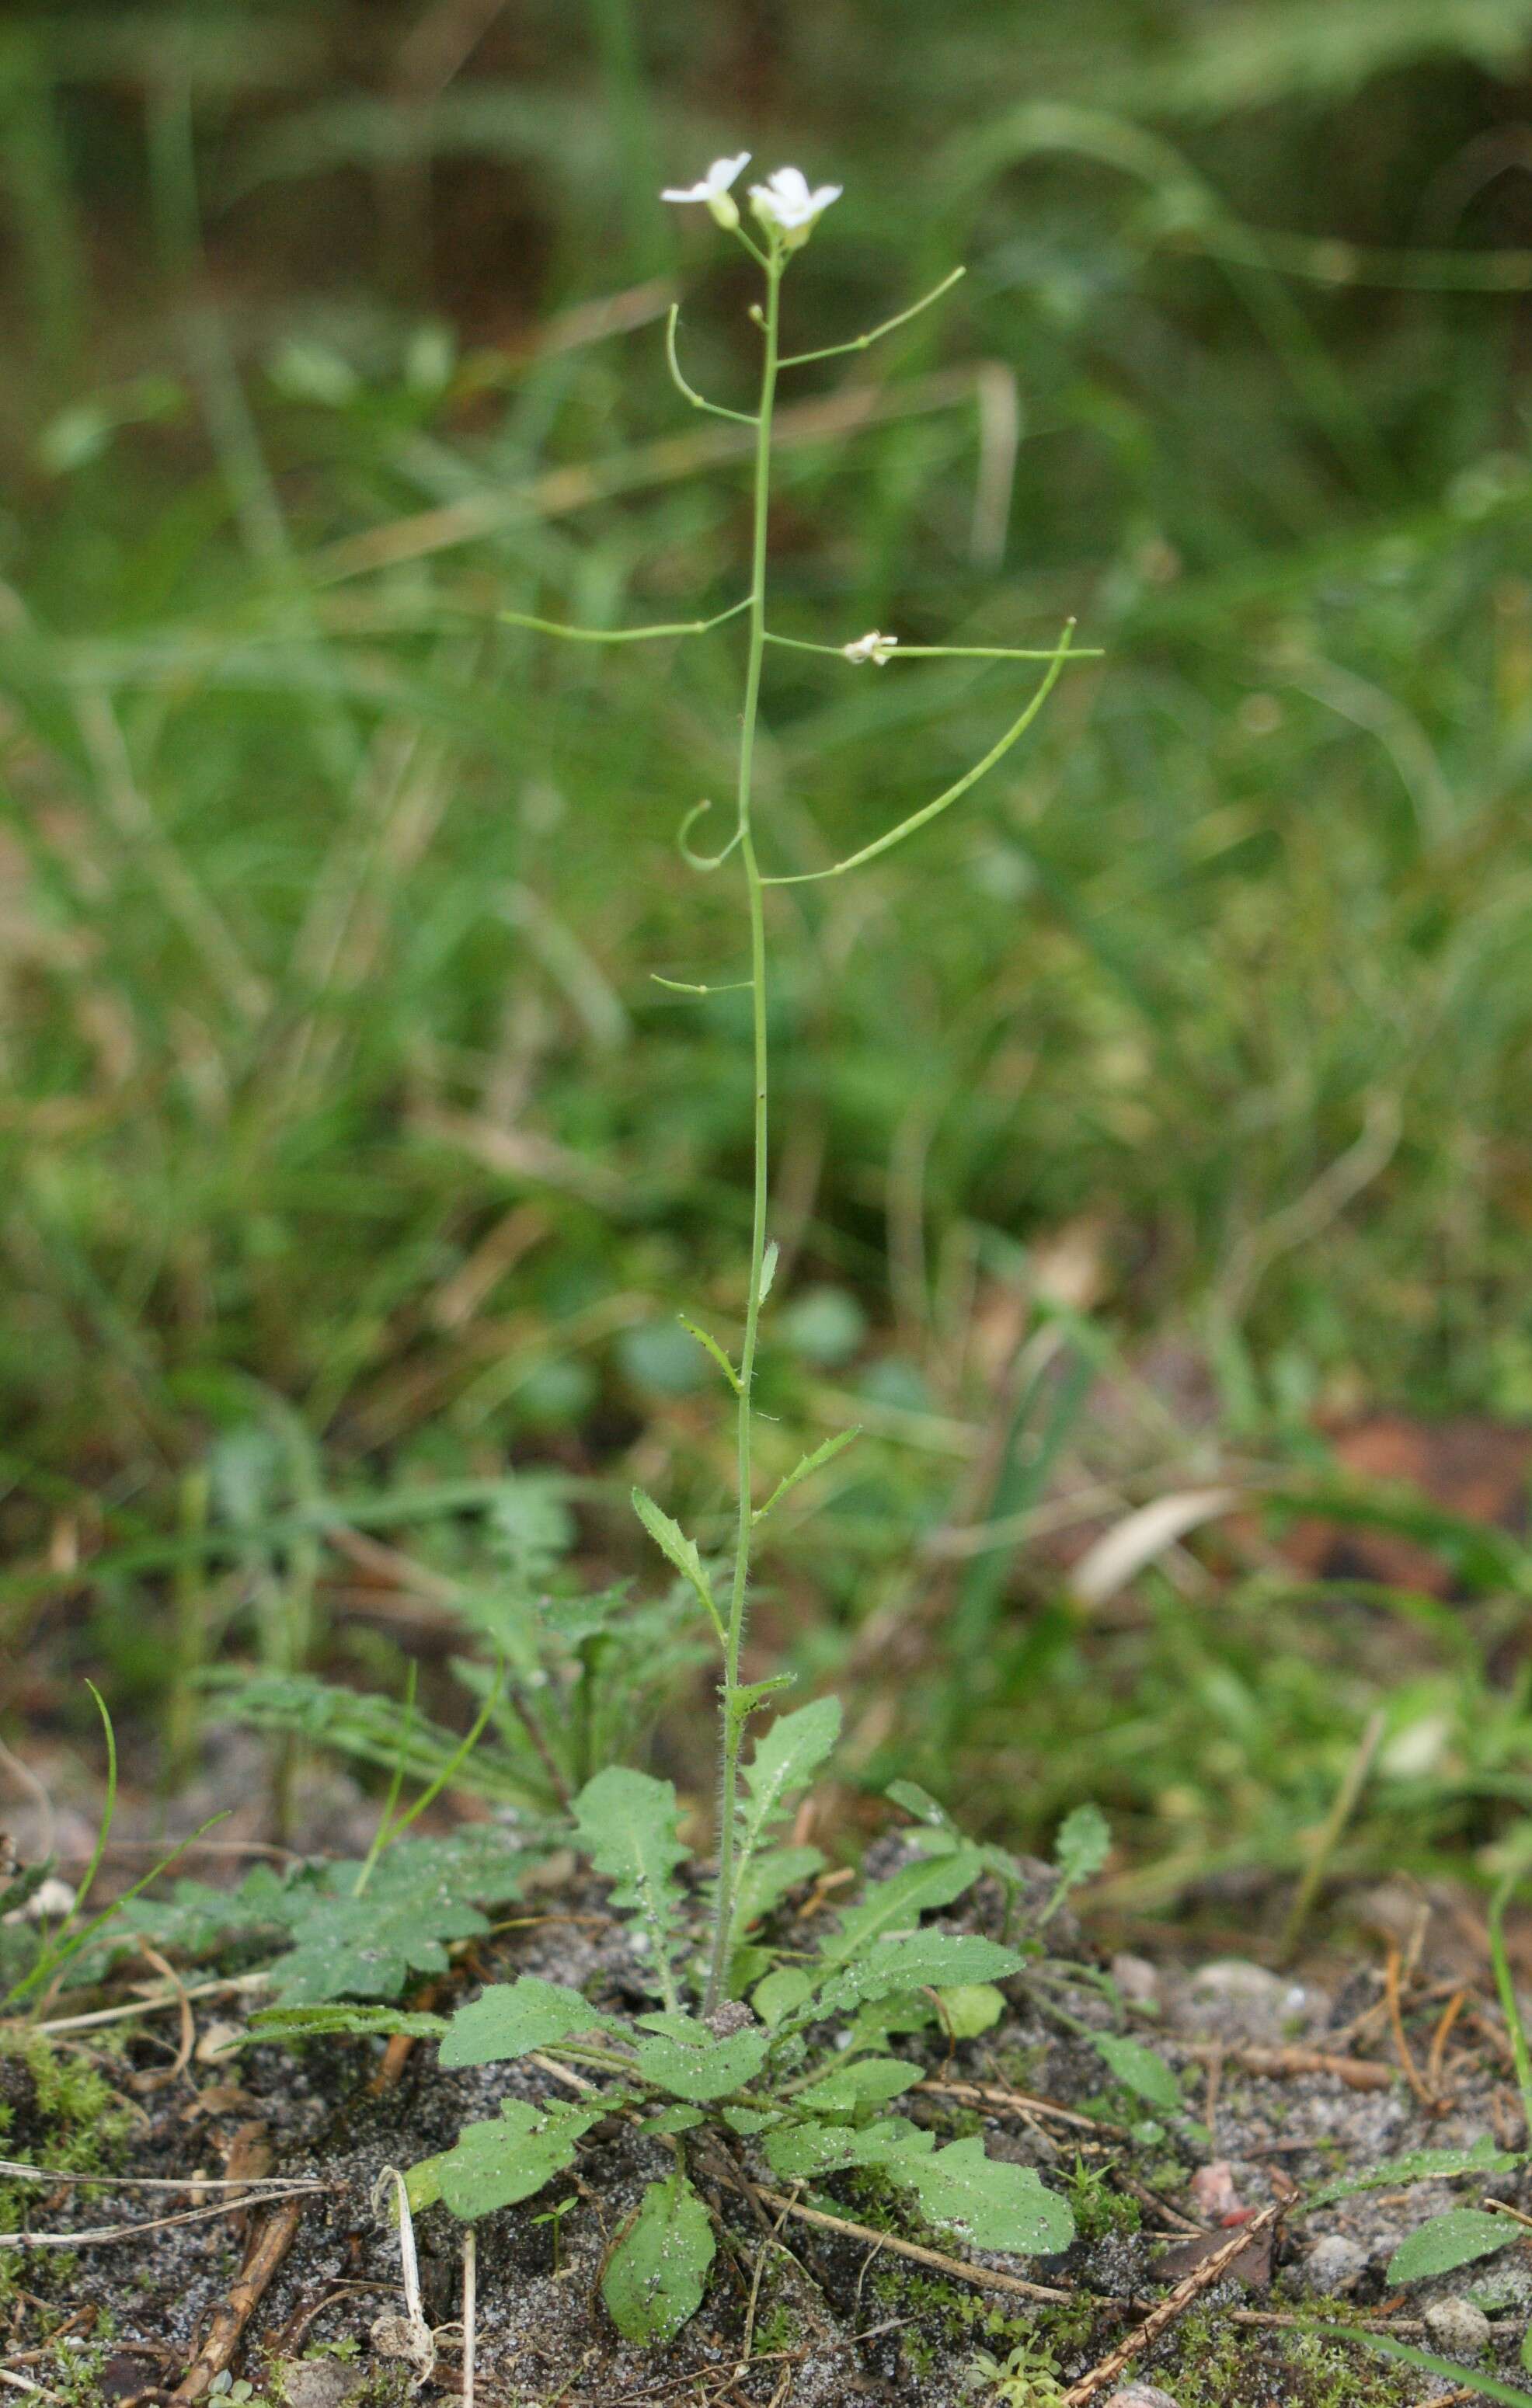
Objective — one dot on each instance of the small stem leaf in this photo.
(743, 1701)
(1140, 2070)
(510, 2156)
(820, 1456)
(769, 1267)
(1079, 1851)
(712, 1347)
(689, 2062)
(1455, 2239)
(678, 1549)
(658, 2271)
(627, 1824)
(511, 2018)
(921, 1960)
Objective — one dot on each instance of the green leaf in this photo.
(766, 1879)
(658, 2271)
(713, 1348)
(898, 1903)
(497, 2163)
(920, 1804)
(1079, 1851)
(971, 2008)
(1140, 2070)
(680, 1550)
(369, 1947)
(673, 2119)
(511, 2018)
(318, 2023)
(866, 2082)
(801, 2152)
(782, 1763)
(627, 1823)
(782, 1993)
(990, 2204)
(684, 2057)
(1455, 2239)
(1418, 2165)
(768, 1268)
(784, 1760)
(802, 1471)
(1460, 2377)
(925, 1960)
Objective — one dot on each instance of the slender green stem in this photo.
(733, 1636)
(623, 635)
(689, 393)
(876, 334)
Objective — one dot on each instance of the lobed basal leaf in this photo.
(510, 2156)
(511, 2019)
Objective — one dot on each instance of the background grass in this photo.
(1171, 1098)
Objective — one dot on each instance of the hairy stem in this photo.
(732, 1721)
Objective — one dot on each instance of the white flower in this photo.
(785, 203)
(715, 189)
(872, 647)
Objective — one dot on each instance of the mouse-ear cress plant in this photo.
(789, 2052)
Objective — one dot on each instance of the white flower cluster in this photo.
(786, 204)
(872, 647)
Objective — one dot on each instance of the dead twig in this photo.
(985, 2278)
(104, 2235)
(1357, 2073)
(267, 2248)
(1395, 2020)
(992, 2094)
(1174, 2304)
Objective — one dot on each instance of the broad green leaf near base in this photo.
(683, 2056)
(1455, 2239)
(866, 2082)
(658, 2271)
(367, 1948)
(511, 2018)
(1139, 2070)
(897, 1905)
(970, 2008)
(988, 2203)
(497, 2163)
(924, 1960)
(627, 1824)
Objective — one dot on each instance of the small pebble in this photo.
(1459, 2327)
(1140, 2394)
(1137, 1979)
(1244, 2002)
(1333, 2264)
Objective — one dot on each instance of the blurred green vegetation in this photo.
(350, 1149)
